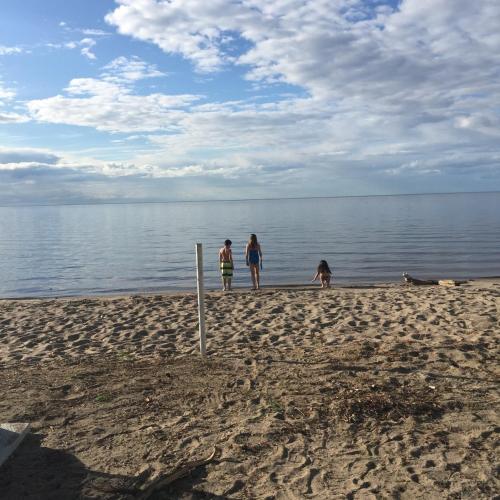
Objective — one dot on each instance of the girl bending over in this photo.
(323, 273)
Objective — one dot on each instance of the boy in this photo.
(226, 265)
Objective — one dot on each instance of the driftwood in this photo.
(414, 281)
(165, 479)
(140, 487)
(449, 282)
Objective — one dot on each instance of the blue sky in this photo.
(149, 100)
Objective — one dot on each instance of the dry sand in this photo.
(377, 392)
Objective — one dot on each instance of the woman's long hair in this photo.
(252, 242)
(323, 267)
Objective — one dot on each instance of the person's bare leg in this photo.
(229, 283)
(252, 272)
(257, 276)
(224, 284)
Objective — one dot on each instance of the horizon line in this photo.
(157, 202)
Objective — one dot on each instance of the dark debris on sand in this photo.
(357, 404)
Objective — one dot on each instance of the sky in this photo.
(162, 100)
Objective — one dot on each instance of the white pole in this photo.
(201, 298)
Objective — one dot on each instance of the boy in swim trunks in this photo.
(226, 265)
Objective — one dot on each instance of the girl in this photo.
(253, 256)
(226, 265)
(323, 273)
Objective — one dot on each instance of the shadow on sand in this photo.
(34, 472)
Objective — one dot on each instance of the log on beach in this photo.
(448, 283)
(414, 281)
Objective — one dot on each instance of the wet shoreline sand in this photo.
(383, 391)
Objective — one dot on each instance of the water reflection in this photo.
(125, 248)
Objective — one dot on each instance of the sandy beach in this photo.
(387, 391)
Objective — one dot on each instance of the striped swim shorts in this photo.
(226, 269)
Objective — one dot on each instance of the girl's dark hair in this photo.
(253, 240)
(323, 267)
(228, 243)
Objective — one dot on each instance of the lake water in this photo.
(95, 249)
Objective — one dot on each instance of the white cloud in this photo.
(94, 32)
(423, 76)
(408, 93)
(7, 96)
(110, 108)
(85, 31)
(50, 161)
(430, 52)
(86, 48)
(5, 93)
(333, 47)
(85, 45)
(109, 104)
(5, 51)
(176, 27)
(6, 115)
(130, 69)
(9, 117)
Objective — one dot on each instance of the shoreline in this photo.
(243, 289)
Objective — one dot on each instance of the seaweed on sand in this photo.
(355, 405)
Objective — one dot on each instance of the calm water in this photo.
(71, 250)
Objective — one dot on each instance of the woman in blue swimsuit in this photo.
(253, 256)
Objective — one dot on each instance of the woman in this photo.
(253, 256)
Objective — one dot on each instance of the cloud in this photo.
(40, 183)
(6, 51)
(336, 48)
(109, 104)
(36, 163)
(6, 117)
(190, 29)
(5, 93)
(41, 176)
(379, 95)
(85, 45)
(85, 31)
(130, 69)
(44, 184)
(20, 156)
(95, 32)
(422, 75)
